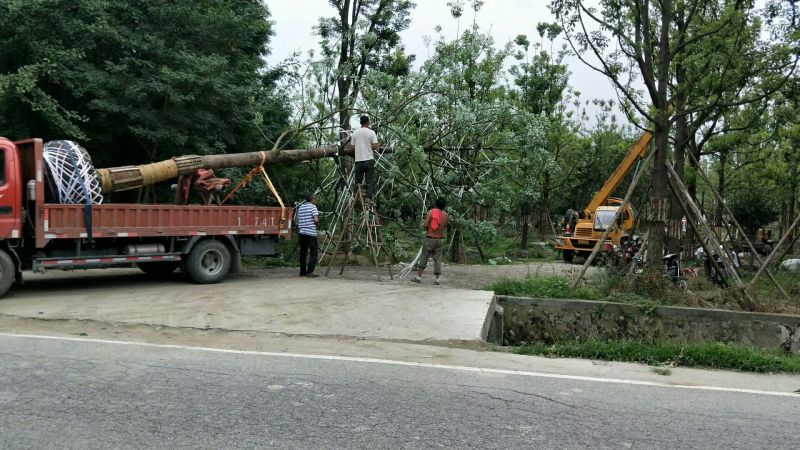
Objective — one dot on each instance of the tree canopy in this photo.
(139, 81)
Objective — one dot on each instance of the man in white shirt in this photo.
(366, 142)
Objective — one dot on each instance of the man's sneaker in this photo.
(312, 275)
(436, 282)
(417, 280)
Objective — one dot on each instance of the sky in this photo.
(504, 19)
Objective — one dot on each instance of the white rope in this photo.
(71, 173)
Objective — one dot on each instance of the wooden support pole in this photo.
(692, 221)
(613, 224)
(771, 256)
(687, 200)
(750, 245)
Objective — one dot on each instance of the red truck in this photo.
(207, 242)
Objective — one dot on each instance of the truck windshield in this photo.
(603, 219)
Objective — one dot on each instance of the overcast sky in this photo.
(504, 19)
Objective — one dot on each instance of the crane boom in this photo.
(634, 154)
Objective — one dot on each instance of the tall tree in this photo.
(138, 81)
(540, 79)
(360, 36)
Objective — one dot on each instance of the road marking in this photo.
(412, 364)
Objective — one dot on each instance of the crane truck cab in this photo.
(588, 230)
(599, 214)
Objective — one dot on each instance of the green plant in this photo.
(544, 287)
(706, 355)
(664, 371)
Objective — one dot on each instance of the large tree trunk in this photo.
(456, 251)
(523, 243)
(660, 210)
(117, 179)
(344, 82)
(681, 133)
(723, 159)
(792, 203)
(691, 185)
(656, 233)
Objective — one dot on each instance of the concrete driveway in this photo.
(288, 305)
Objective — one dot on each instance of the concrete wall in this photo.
(548, 320)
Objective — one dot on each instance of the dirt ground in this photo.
(453, 275)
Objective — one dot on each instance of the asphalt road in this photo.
(67, 394)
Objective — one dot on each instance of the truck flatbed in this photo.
(158, 220)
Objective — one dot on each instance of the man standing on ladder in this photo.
(435, 224)
(366, 142)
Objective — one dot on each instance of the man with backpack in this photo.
(435, 225)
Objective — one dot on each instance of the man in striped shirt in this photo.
(307, 223)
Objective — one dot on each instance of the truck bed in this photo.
(143, 220)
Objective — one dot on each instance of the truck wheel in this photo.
(7, 272)
(160, 269)
(209, 262)
(568, 255)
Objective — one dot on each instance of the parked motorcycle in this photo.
(673, 271)
(716, 277)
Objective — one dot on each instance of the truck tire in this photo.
(160, 269)
(8, 272)
(568, 255)
(209, 262)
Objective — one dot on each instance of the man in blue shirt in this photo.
(307, 223)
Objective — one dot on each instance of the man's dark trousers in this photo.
(307, 265)
(366, 169)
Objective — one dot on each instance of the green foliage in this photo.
(754, 208)
(544, 287)
(705, 355)
(138, 81)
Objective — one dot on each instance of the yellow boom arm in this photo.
(636, 152)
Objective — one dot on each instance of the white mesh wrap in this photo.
(65, 177)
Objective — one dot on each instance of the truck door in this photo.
(10, 204)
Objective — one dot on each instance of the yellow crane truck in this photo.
(598, 215)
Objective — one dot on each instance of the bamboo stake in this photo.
(687, 199)
(769, 259)
(750, 245)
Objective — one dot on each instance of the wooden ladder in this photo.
(353, 224)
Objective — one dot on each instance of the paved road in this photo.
(57, 394)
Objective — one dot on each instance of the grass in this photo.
(561, 287)
(764, 287)
(704, 355)
(663, 371)
(546, 287)
(263, 262)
